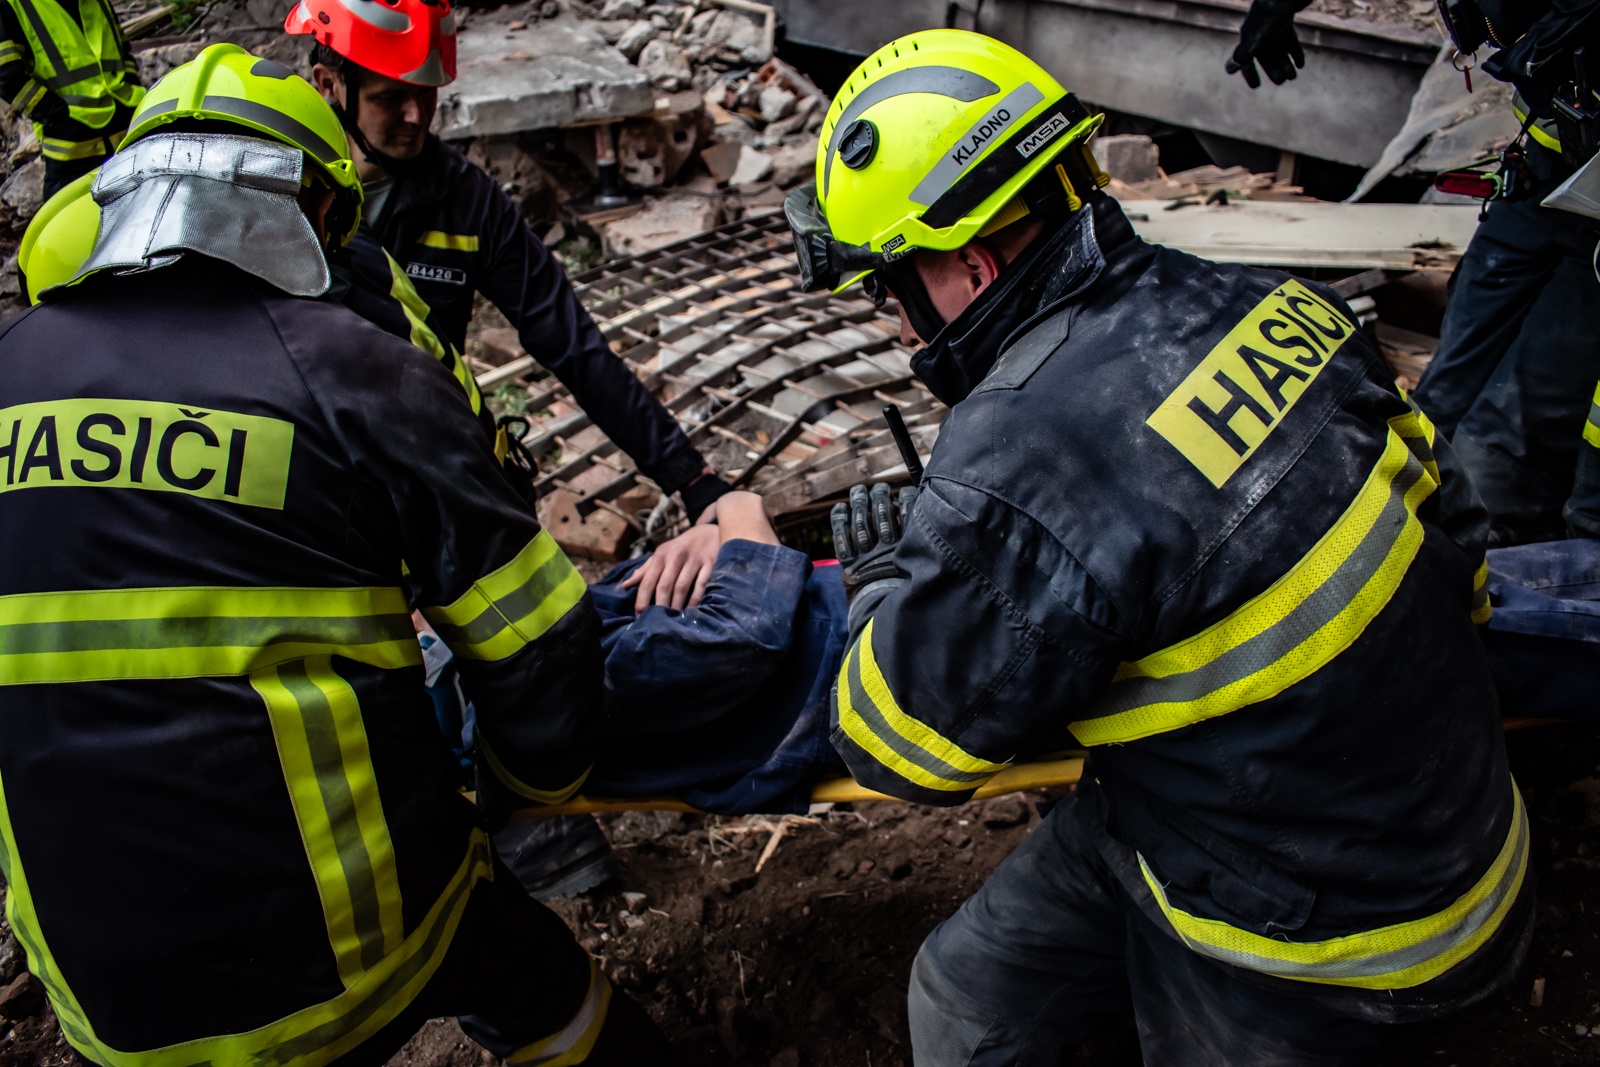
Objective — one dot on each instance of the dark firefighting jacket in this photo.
(457, 233)
(228, 816)
(1583, 507)
(1180, 514)
(368, 281)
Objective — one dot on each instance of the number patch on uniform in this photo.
(426, 272)
(1244, 388)
(137, 444)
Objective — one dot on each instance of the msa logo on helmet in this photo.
(426, 272)
(892, 243)
(980, 135)
(1036, 140)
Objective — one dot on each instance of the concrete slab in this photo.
(559, 72)
(1312, 233)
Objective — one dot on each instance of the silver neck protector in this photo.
(232, 198)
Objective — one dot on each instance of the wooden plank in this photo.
(1313, 234)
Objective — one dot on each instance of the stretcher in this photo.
(1057, 770)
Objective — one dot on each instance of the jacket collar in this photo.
(1059, 269)
(426, 181)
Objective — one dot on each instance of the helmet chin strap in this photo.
(349, 118)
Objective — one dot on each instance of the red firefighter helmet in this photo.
(409, 40)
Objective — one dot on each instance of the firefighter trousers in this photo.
(522, 987)
(1511, 382)
(1052, 947)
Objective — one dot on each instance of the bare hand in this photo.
(676, 575)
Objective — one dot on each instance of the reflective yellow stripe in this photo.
(1293, 629)
(910, 748)
(523, 789)
(456, 242)
(513, 606)
(197, 632)
(322, 744)
(1418, 433)
(28, 98)
(1591, 428)
(1541, 131)
(576, 1040)
(1394, 957)
(311, 1037)
(56, 148)
(416, 311)
(10, 52)
(1482, 610)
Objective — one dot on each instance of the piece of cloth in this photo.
(1182, 514)
(1511, 383)
(1543, 643)
(724, 704)
(222, 506)
(1053, 946)
(457, 233)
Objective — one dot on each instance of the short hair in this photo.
(321, 53)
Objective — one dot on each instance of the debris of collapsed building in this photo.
(649, 144)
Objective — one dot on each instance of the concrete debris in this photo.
(1129, 157)
(1447, 127)
(753, 166)
(632, 40)
(622, 9)
(666, 65)
(670, 219)
(776, 103)
(10, 277)
(722, 158)
(1312, 233)
(564, 75)
(23, 191)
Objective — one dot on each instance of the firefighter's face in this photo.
(394, 116)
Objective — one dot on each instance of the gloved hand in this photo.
(1267, 37)
(866, 531)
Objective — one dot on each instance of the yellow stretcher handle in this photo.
(1064, 770)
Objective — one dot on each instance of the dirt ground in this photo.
(804, 964)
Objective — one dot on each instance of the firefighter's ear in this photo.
(979, 265)
(328, 82)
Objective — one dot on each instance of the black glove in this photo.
(866, 531)
(1267, 37)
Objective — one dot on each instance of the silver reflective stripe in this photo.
(953, 82)
(1360, 965)
(985, 132)
(872, 715)
(1281, 639)
(377, 15)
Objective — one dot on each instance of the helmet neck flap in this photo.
(229, 197)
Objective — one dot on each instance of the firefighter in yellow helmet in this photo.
(222, 502)
(68, 68)
(1178, 515)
